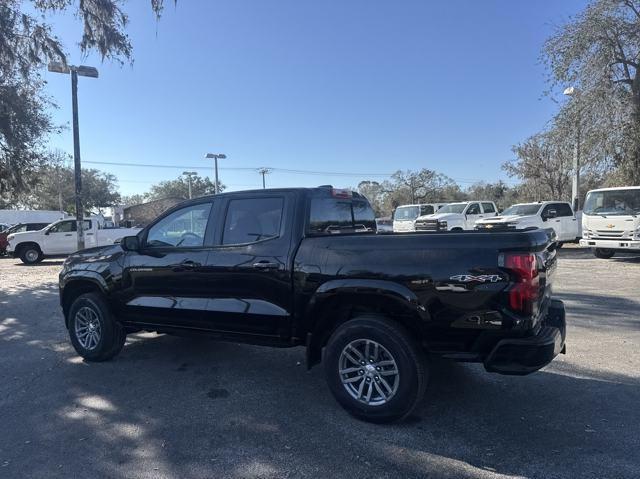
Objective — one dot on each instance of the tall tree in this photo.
(53, 187)
(598, 52)
(179, 188)
(27, 44)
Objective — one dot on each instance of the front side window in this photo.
(252, 219)
(184, 228)
(474, 209)
(64, 227)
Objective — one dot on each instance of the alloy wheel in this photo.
(87, 328)
(368, 372)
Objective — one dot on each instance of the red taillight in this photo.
(523, 295)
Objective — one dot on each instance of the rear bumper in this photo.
(525, 355)
(619, 244)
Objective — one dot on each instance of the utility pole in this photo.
(215, 157)
(86, 72)
(263, 172)
(189, 174)
(575, 183)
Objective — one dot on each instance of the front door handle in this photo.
(69, 234)
(185, 265)
(266, 265)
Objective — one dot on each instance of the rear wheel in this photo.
(94, 332)
(603, 253)
(374, 369)
(31, 254)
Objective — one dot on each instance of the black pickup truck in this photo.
(305, 267)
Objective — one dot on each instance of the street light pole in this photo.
(575, 183)
(77, 165)
(215, 156)
(87, 72)
(189, 174)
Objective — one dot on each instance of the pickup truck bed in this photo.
(304, 267)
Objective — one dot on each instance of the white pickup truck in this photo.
(557, 215)
(611, 221)
(457, 216)
(61, 238)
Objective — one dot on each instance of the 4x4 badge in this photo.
(482, 278)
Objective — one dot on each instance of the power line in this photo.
(280, 170)
(236, 168)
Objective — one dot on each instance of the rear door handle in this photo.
(69, 234)
(265, 265)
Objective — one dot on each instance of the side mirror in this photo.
(552, 214)
(130, 243)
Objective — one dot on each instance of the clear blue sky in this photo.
(344, 86)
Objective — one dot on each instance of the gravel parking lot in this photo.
(171, 407)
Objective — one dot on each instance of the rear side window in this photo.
(563, 209)
(488, 208)
(252, 219)
(330, 216)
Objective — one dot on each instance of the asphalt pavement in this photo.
(185, 408)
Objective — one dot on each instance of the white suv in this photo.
(457, 216)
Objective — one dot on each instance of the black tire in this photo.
(112, 335)
(31, 254)
(457, 229)
(410, 360)
(603, 253)
(559, 245)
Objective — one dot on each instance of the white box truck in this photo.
(611, 221)
(13, 217)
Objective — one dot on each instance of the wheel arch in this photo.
(77, 286)
(335, 302)
(25, 244)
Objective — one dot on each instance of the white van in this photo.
(611, 221)
(404, 217)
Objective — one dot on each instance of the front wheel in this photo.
(603, 253)
(374, 369)
(94, 333)
(31, 255)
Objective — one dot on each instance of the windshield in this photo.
(522, 210)
(405, 213)
(453, 208)
(614, 202)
